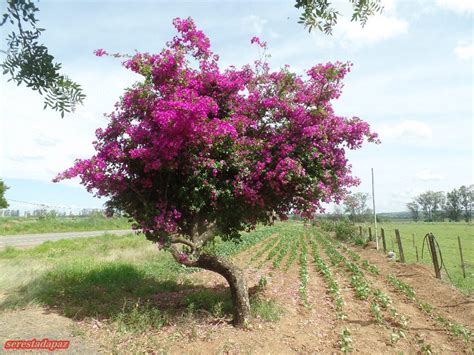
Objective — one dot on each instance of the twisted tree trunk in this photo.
(237, 284)
(232, 273)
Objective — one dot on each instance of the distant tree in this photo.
(414, 209)
(453, 206)
(432, 204)
(356, 206)
(3, 189)
(439, 200)
(321, 15)
(426, 203)
(28, 62)
(467, 201)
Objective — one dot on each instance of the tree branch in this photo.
(177, 255)
(207, 235)
(181, 240)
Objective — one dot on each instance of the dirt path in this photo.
(37, 323)
(34, 239)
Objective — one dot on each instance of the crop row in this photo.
(356, 257)
(453, 327)
(378, 300)
(264, 248)
(293, 253)
(332, 285)
(303, 273)
(273, 250)
(282, 252)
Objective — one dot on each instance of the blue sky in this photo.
(412, 80)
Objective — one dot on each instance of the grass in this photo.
(268, 310)
(447, 236)
(122, 280)
(29, 225)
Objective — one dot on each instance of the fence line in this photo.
(457, 259)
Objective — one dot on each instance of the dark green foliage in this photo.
(3, 188)
(319, 13)
(28, 62)
(345, 230)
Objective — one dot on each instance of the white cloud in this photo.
(464, 51)
(428, 175)
(407, 130)
(38, 143)
(254, 24)
(378, 28)
(459, 6)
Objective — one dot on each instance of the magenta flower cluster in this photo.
(192, 144)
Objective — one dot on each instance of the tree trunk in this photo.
(237, 284)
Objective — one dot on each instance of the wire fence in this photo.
(454, 244)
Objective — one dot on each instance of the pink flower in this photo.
(100, 52)
(193, 142)
(257, 40)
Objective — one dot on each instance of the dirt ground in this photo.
(310, 328)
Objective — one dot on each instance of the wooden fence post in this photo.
(434, 255)
(360, 231)
(370, 234)
(400, 247)
(416, 249)
(383, 240)
(462, 258)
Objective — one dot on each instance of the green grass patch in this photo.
(29, 225)
(139, 318)
(123, 280)
(217, 303)
(267, 310)
(446, 234)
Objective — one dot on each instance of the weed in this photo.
(216, 303)
(138, 318)
(267, 310)
(262, 283)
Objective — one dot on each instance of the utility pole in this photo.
(373, 206)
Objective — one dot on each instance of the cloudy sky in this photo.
(412, 80)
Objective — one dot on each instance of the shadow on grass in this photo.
(120, 292)
(129, 297)
(106, 290)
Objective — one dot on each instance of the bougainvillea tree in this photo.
(193, 151)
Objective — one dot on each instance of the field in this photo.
(21, 225)
(121, 295)
(447, 236)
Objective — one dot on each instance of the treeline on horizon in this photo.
(430, 206)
